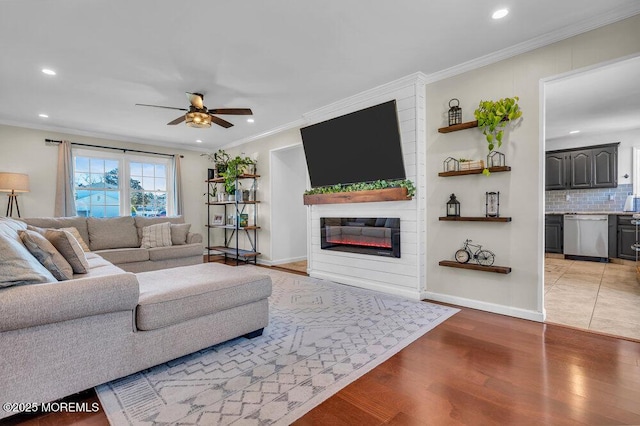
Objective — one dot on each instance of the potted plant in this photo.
(493, 117)
(236, 167)
(220, 160)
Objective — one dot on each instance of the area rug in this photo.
(321, 337)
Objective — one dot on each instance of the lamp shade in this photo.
(14, 182)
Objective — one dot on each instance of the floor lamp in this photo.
(13, 183)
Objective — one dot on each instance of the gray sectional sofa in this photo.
(61, 337)
(118, 240)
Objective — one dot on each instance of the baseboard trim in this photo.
(485, 306)
(395, 291)
(289, 260)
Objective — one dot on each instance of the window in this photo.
(101, 190)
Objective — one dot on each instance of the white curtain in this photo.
(177, 185)
(65, 203)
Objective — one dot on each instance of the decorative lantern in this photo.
(492, 205)
(453, 206)
(451, 165)
(496, 159)
(455, 112)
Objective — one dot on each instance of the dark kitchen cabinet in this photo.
(583, 168)
(580, 163)
(626, 238)
(553, 233)
(605, 167)
(556, 171)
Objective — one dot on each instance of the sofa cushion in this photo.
(18, 265)
(174, 252)
(72, 230)
(179, 232)
(78, 222)
(69, 247)
(142, 221)
(158, 235)
(46, 254)
(125, 255)
(112, 232)
(172, 296)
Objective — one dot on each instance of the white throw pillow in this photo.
(158, 235)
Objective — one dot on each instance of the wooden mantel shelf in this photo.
(370, 196)
(476, 267)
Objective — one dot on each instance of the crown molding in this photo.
(612, 16)
(367, 96)
(100, 135)
(288, 126)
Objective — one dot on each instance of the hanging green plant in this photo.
(493, 117)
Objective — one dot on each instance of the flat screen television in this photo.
(362, 146)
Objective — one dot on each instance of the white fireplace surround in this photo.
(404, 276)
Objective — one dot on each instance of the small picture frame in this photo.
(218, 219)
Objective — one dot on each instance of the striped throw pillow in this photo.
(158, 235)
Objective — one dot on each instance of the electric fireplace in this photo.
(379, 236)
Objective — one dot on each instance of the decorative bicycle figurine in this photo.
(482, 257)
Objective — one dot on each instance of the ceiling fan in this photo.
(199, 115)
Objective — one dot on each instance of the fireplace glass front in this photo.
(379, 236)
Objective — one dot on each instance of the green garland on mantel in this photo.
(365, 186)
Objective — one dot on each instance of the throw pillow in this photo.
(19, 266)
(72, 230)
(158, 235)
(46, 254)
(179, 233)
(68, 247)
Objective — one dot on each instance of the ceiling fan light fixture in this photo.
(198, 120)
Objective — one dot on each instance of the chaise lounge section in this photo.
(61, 337)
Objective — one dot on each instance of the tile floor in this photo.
(602, 297)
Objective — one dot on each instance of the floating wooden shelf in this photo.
(370, 196)
(476, 267)
(456, 127)
(475, 219)
(475, 171)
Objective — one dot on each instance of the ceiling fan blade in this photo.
(196, 99)
(220, 122)
(232, 111)
(160, 106)
(177, 121)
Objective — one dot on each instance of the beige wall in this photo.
(517, 244)
(259, 150)
(24, 151)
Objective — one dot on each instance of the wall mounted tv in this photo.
(363, 146)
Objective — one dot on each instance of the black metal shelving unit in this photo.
(232, 226)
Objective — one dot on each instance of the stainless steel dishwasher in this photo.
(586, 235)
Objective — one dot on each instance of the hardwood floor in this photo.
(482, 368)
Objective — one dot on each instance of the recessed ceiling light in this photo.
(198, 140)
(500, 13)
(43, 115)
(47, 71)
(573, 132)
(250, 120)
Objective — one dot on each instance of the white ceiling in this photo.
(282, 58)
(601, 100)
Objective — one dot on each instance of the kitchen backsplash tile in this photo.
(588, 200)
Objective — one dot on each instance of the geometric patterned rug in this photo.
(321, 337)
